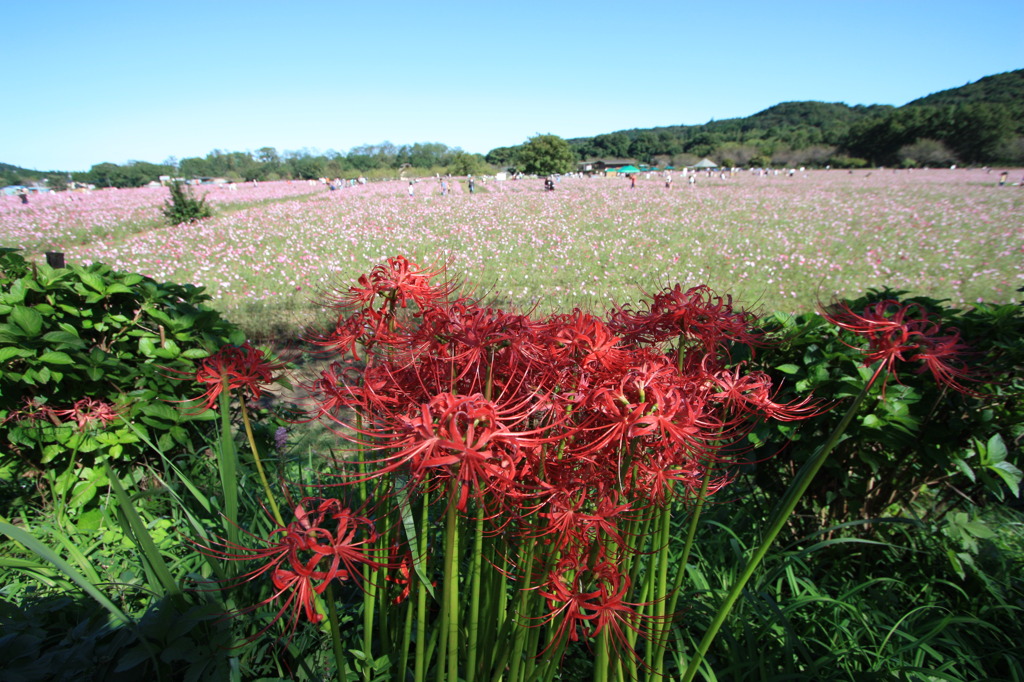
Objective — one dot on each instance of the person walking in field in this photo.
(668, 180)
(632, 180)
(412, 189)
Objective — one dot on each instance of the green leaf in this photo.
(965, 469)
(409, 524)
(1010, 474)
(134, 526)
(162, 410)
(56, 357)
(788, 368)
(92, 280)
(995, 450)
(30, 321)
(64, 337)
(872, 421)
(9, 352)
(146, 346)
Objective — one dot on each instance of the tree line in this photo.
(266, 163)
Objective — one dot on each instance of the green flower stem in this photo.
(259, 465)
(448, 647)
(332, 617)
(422, 651)
(796, 490)
(227, 467)
(663, 627)
(601, 658)
(369, 611)
(521, 617)
(475, 577)
(661, 590)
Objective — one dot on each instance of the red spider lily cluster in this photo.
(570, 430)
(906, 335)
(325, 542)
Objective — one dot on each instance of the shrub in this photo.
(184, 207)
(88, 363)
(917, 448)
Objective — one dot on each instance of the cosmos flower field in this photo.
(774, 242)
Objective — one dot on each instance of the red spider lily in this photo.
(584, 340)
(753, 392)
(696, 314)
(89, 411)
(245, 368)
(32, 412)
(585, 601)
(325, 542)
(468, 438)
(397, 282)
(905, 334)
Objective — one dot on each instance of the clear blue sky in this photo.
(89, 82)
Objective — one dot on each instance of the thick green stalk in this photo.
(369, 611)
(663, 627)
(656, 645)
(521, 618)
(449, 620)
(782, 513)
(422, 649)
(332, 618)
(475, 576)
(227, 466)
(259, 465)
(601, 658)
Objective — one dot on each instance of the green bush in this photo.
(916, 448)
(184, 207)
(91, 368)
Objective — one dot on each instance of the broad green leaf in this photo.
(29, 320)
(56, 357)
(995, 450)
(9, 352)
(1010, 474)
(65, 338)
(965, 469)
(788, 368)
(92, 280)
(161, 410)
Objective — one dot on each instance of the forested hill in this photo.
(981, 122)
(1006, 89)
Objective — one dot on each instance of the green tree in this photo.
(546, 155)
(463, 163)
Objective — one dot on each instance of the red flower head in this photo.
(396, 282)
(325, 542)
(89, 411)
(242, 368)
(906, 334)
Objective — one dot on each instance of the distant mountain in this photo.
(977, 123)
(1005, 89)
